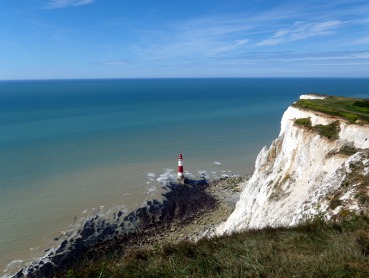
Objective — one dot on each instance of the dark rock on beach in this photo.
(185, 212)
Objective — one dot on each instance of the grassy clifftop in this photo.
(351, 109)
(313, 249)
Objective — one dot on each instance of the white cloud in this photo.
(235, 43)
(301, 31)
(230, 47)
(56, 4)
(194, 39)
(361, 41)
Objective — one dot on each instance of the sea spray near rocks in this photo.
(180, 202)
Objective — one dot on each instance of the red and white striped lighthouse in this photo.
(180, 167)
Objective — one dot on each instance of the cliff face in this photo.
(303, 173)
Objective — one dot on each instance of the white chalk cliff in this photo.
(303, 174)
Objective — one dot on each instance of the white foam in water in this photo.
(203, 174)
(150, 191)
(166, 177)
(150, 177)
(14, 264)
(215, 174)
(189, 175)
(71, 233)
(217, 163)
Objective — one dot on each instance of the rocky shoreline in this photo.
(188, 212)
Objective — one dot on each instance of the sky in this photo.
(63, 39)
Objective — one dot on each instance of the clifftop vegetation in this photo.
(312, 249)
(351, 109)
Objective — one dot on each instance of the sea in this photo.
(72, 148)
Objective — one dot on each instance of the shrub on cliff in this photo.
(306, 122)
(329, 131)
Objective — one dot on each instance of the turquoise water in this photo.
(71, 148)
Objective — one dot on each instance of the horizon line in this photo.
(162, 78)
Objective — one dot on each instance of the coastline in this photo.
(188, 212)
(86, 157)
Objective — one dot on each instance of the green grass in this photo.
(306, 122)
(360, 106)
(351, 109)
(313, 249)
(329, 131)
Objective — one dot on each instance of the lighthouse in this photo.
(180, 167)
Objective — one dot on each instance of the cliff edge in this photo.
(318, 165)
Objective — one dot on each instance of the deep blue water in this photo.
(55, 126)
(83, 115)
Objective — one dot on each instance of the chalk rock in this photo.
(294, 176)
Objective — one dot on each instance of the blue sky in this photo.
(47, 39)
